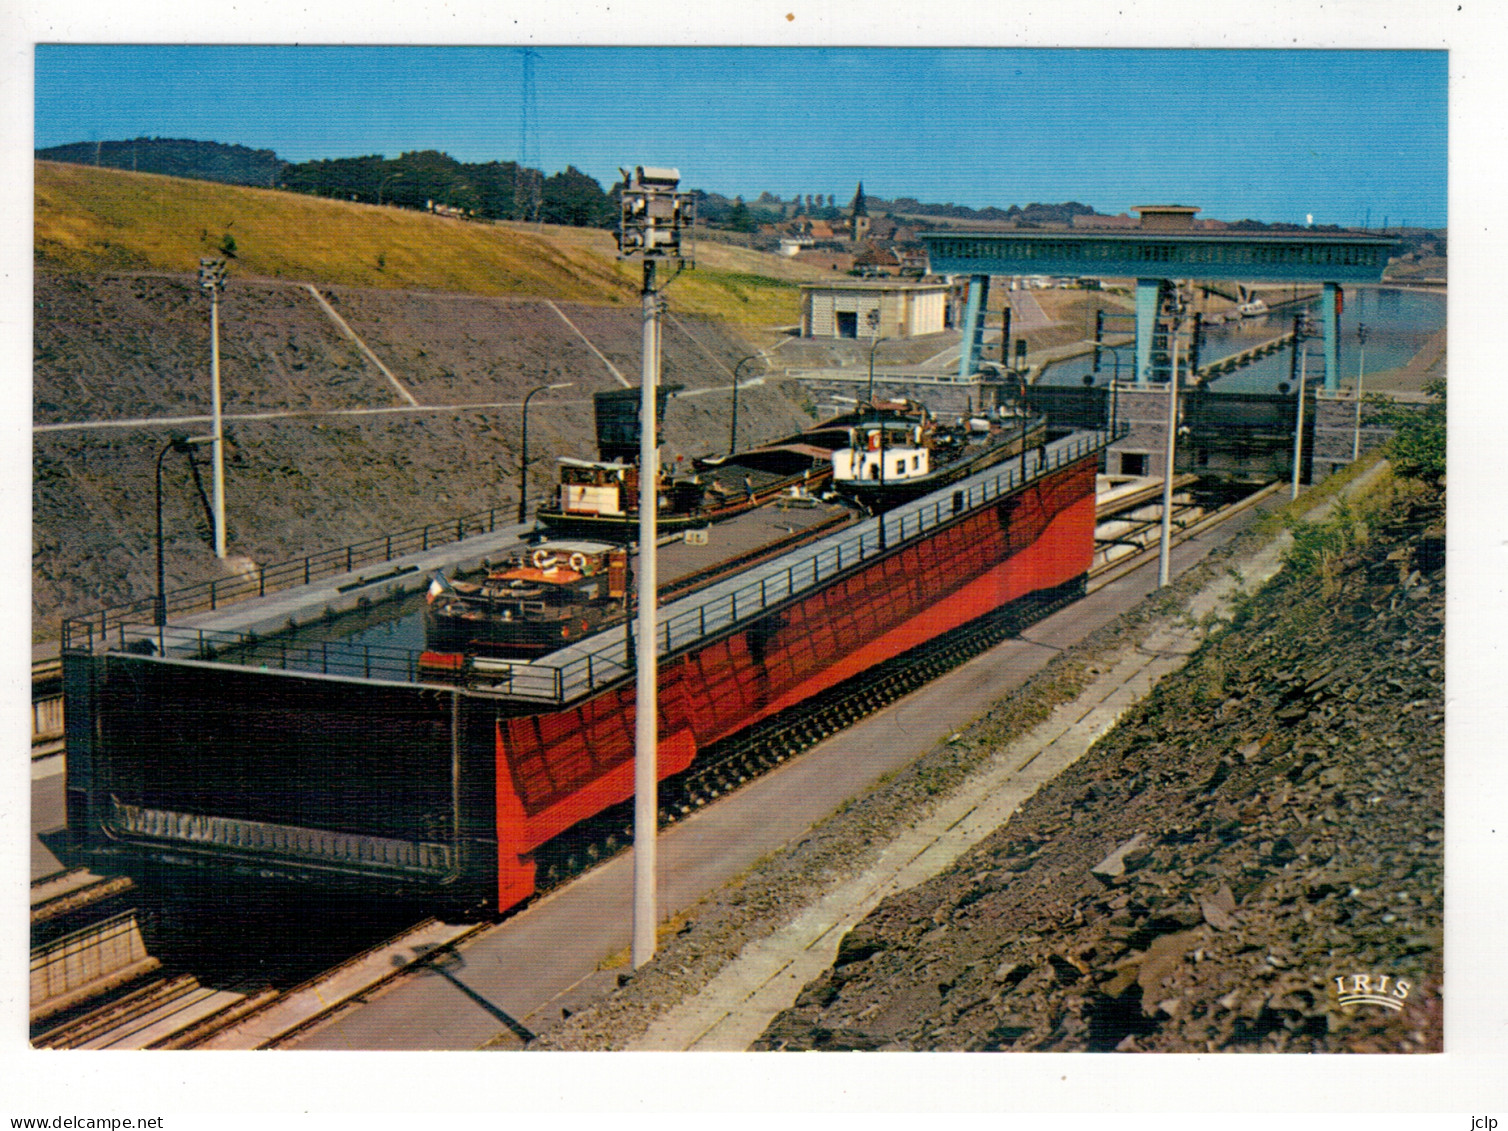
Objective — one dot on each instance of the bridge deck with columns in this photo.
(1154, 256)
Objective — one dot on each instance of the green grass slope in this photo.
(90, 220)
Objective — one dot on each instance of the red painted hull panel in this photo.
(558, 768)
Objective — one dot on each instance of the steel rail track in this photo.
(74, 894)
(120, 1011)
(257, 1004)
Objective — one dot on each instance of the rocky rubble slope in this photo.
(1261, 832)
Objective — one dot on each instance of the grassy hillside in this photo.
(88, 219)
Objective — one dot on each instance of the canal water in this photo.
(1398, 322)
(382, 641)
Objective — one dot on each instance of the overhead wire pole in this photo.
(525, 174)
(650, 222)
(1298, 421)
(212, 279)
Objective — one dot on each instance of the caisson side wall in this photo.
(447, 792)
(558, 768)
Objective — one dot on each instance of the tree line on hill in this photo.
(494, 190)
(505, 190)
(173, 157)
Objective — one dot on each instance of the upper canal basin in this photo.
(1398, 322)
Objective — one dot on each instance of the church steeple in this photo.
(858, 215)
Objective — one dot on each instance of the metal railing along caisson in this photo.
(605, 658)
(78, 632)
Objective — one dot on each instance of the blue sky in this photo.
(1268, 134)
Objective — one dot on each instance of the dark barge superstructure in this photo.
(897, 452)
(221, 757)
(599, 499)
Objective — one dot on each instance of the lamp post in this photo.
(1164, 551)
(1025, 420)
(873, 318)
(523, 446)
(651, 220)
(1298, 418)
(176, 444)
(733, 428)
(1115, 382)
(212, 279)
(1361, 370)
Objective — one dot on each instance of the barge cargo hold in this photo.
(224, 757)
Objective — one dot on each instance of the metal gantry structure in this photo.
(1167, 248)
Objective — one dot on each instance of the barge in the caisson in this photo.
(892, 452)
(225, 761)
(599, 499)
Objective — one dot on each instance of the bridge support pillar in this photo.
(971, 344)
(1148, 295)
(1330, 306)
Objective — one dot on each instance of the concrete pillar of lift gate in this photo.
(971, 343)
(1148, 296)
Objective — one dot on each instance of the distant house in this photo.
(822, 257)
(889, 308)
(877, 259)
(913, 261)
(1166, 217)
(1103, 222)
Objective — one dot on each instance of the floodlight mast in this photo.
(652, 217)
